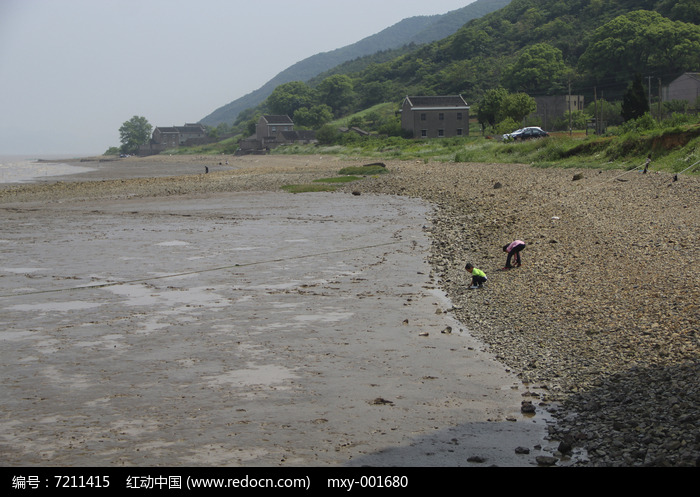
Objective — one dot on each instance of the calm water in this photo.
(26, 169)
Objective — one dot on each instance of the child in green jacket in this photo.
(478, 276)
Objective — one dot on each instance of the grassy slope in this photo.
(672, 150)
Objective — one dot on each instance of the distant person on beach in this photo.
(478, 276)
(513, 249)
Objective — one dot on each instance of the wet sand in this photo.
(234, 328)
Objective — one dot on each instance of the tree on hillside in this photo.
(313, 117)
(685, 10)
(134, 133)
(490, 105)
(635, 102)
(517, 106)
(336, 92)
(539, 68)
(287, 98)
(498, 105)
(641, 41)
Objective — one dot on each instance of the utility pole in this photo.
(595, 96)
(570, 107)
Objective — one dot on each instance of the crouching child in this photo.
(478, 276)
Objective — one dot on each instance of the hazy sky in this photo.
(72, 71)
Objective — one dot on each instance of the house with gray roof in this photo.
(170, 137)
(271, 126)
(435, 116)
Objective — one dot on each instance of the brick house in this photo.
(435, 117)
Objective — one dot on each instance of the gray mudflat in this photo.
(248, 329)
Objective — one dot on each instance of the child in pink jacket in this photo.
(513, 249)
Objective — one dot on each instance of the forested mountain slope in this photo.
(385, 45)
(540, 46)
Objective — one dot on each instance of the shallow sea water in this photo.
(23, 169)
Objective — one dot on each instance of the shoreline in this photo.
(585, 319)
(153, 328)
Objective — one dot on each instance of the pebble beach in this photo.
(604, 313)
(601, 321)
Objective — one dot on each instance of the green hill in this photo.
(389, 44)
(540, 46)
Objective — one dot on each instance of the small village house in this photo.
(435, 116)
(273, 126)
(179, 135)
(171, 137)
(684, 87)
(554, 107)
(271, 131)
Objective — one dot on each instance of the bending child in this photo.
(478, 276)
(513, 249)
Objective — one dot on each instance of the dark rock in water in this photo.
(477, 459)
(527, 407)
(522, 450)
(356, 193)
(546, 460)
(565, 447)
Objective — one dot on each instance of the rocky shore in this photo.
(604, 312)
(602, 316)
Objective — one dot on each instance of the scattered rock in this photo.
(564, 448)
(527, 407)
(546, 460)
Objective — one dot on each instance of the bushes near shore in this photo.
(347, 175)
(674, 145)
(672, 149)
